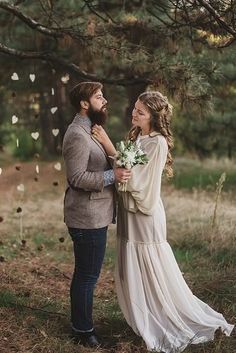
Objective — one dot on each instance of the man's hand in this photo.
(122, 175)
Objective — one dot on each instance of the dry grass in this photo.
(35, 274)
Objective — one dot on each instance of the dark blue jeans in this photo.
(89, 251)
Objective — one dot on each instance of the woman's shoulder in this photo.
(157, 140)
(155, 145)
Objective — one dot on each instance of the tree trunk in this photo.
(60, 99)
(229, 150)
(48, 145)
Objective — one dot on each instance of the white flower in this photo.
(131, 156)
(122, 146)
(128, 165)
(119, 163)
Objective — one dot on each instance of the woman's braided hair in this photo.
(161, 112)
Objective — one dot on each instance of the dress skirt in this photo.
(152, 293)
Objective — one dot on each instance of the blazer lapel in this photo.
(87, 129)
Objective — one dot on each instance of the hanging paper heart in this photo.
(53, 110)
(65, 78)
(14, 76)
(0, 171)
(53, 92)
(14, 119)
(57, 166)
(55, 132)
(21, 187)
(35, 135)
(32, 77)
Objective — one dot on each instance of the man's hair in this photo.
(83, 92)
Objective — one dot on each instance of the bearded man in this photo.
(89, 205)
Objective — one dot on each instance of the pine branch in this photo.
(59, 32)
(90, 7)
(56, 33)
(71, 67)
(217, 17)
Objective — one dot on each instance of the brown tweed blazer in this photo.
(87, 203)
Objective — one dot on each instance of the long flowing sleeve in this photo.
(143, 188)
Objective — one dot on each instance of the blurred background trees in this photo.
(185, 49)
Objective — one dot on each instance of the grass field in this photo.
(37, 261)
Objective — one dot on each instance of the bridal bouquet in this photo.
(128, 155)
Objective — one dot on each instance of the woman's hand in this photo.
(100, 134)
(122, 175)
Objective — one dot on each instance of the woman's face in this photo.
(141, 116)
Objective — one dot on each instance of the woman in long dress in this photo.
(152, 293)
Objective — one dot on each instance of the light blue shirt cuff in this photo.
(109, 177)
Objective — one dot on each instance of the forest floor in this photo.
(37, 262)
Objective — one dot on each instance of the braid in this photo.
(169, 161)
(166, 132)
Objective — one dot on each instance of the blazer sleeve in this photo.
(76, 152)
(144, 186)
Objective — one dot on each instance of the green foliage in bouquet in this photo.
(130, 154)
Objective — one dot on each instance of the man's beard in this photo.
(98, 117)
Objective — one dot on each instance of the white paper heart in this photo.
(37, 169)
(65, 78)
(32, 77)
(55, 132)
(53, 92)
(35, 135)
(14, 76)
(21, 187)
(17, 142)
(53, 110)
(0, 171)
(57, 166)
(14, 119)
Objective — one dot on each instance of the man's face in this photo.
(97, 111)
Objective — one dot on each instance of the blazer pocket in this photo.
(99, 195)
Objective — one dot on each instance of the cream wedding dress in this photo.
(152, 293)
